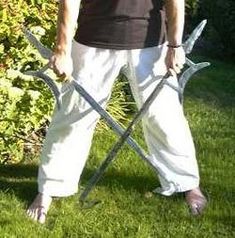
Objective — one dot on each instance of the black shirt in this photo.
(120, 24)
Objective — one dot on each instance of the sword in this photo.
(125, 134)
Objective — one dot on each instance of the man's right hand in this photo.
(62, 65)
(61, 61)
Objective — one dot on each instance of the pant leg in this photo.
(165, 127)
(69, 137)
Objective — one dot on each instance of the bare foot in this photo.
(38, 209)
(196, 201)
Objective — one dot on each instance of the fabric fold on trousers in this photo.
(167, 134)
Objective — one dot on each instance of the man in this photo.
(113, 34)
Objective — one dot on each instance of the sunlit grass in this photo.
(125, 209)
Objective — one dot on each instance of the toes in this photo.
(195, 209)
(196, 201)
(41, 217)
(29, 212)
(38, 209)
(32, 214)
(37, 214)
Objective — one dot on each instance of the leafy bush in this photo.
(191, 7)
(26, 103)
(221, 16)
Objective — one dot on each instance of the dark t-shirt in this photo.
(120, 24)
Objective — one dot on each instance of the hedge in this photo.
(221, 18)
(26, 104)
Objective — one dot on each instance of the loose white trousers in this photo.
(167, 134)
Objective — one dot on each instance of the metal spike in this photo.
(44, 52)
(188, 45)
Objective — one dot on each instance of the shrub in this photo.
(221, 16)
(25, 103)
(191, 7)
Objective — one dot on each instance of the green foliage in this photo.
(221, 16)
(25, 103)
(119, 105)
(219, 37)
(191, 7)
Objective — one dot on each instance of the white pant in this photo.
(166, 130)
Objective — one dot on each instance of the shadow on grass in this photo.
(214, 85)
(114, 180)
(20, 180)
(18, 171)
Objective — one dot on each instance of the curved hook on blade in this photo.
(187, 74)
(50, 83)
(184, 78)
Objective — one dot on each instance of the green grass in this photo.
(125, 209)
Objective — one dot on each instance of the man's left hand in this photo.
(175, 60)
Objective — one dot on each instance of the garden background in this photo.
(26, 106)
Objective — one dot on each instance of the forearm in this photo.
(175, 12)
(67, 18)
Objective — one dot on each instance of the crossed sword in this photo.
(118, 129)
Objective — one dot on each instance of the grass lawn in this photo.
(126, 209)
